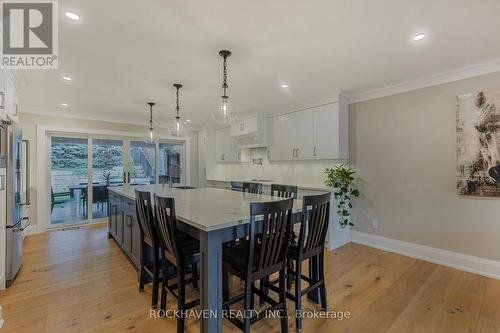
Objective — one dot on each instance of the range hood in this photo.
(251, 132)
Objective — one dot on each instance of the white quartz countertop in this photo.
(300, 185)
(206, 208)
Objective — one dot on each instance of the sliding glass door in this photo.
(171, 161)
(142, 163)
(68, 179)
(84, 167)
(107, 170)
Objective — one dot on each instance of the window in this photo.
(171, 160)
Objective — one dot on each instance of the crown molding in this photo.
(428, 81)
(109, 119)
(64, 114)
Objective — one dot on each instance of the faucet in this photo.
(170, 169)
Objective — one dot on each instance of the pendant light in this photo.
(151, 135)
(178, 128)
(224, 113)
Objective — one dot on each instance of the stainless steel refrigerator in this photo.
(14, 152)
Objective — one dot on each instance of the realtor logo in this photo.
(29, 34)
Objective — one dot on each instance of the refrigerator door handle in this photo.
(27, 167)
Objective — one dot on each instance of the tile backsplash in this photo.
(301, 171)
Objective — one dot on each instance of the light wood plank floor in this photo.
(79, 281)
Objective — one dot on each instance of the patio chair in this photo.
(58, 198)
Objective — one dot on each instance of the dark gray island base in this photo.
(123, 226)
(213, 216)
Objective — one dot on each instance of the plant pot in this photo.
(337, 235)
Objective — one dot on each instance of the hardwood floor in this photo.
(79, 281)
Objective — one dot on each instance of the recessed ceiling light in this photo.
(64, 104)
(284, 85)
(418, 37)
(67, 77)
(188, 120)
(72, 16)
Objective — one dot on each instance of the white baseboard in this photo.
(477, 265)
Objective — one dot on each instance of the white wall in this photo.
(404, 148)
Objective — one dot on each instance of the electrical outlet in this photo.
(375, 224)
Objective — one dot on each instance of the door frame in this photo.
(50, 135)
(43, 159)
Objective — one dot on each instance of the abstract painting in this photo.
(478, 139)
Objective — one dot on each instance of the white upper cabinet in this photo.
(293, 137)
(281, 147)
(318, 133)
(302, 135)
(226, 149)
(244, 127)
(10, 99)
(326, 140)
(251, 132)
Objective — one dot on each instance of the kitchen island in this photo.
(211, 215)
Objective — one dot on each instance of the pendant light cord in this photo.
(224, 74)
(177, 86)
(224, 54)
(150, 117)
(177, 101)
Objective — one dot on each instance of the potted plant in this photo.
(341, 179)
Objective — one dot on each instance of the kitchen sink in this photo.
(184, 187)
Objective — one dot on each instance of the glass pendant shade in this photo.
(151, 136)
(224, 112)
(178, 128)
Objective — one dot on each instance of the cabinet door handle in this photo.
(314, 152)
(239, 156)
(268, 154)
(296, 152)
(293, 152)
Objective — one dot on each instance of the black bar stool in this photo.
(181, 251)
(149, 240)
(281, 191)
(284, 191)
(310, 243)
(254, 260)
(255, 188)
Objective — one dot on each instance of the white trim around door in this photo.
(43, 196)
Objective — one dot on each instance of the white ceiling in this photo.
(122, 54)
